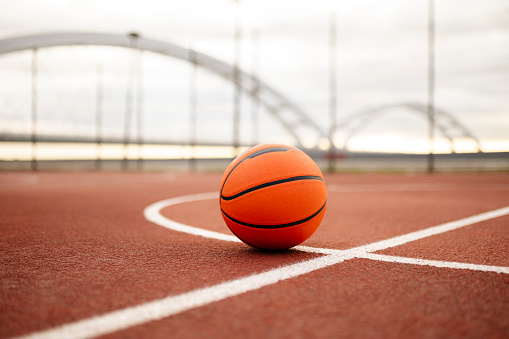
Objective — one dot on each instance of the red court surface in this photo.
(106, 254)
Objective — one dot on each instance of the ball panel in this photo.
(280, 204)
(243, 156)
(275, 238)
(271, 183)
(269, 167)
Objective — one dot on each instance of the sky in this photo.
(381, 60)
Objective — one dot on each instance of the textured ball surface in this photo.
(273, 196)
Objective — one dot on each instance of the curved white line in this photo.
(171, 305)
(153, 213)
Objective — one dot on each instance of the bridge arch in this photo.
(450, 127)
(296, 122)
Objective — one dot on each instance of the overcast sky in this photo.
(382, 60)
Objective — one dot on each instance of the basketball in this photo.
(273, 196)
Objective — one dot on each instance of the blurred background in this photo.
(362, 85)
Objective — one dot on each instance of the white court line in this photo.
(172, 305)
(153, 213)
(414, 187)
(427, 232)
(158, 309)
(435, 263)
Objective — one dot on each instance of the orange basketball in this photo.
(273, 196)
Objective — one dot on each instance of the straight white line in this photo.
(158, 309)
(403, 239)
(132, 316)
(435, 263)
(415, 187)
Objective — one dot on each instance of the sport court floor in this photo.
(147, 255)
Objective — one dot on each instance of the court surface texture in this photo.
(147, 255)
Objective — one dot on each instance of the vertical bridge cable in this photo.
(333, 90)
(193, 113)
(98, 117)
(133, 37)
(139, 106)
(431, 85)
(236, 80)
(34, 110)
(255, 131)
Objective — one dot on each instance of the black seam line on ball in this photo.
(255, 154)
(272, 183)
(277, 226)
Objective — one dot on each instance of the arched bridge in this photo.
(293, 119)
(450, 127)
